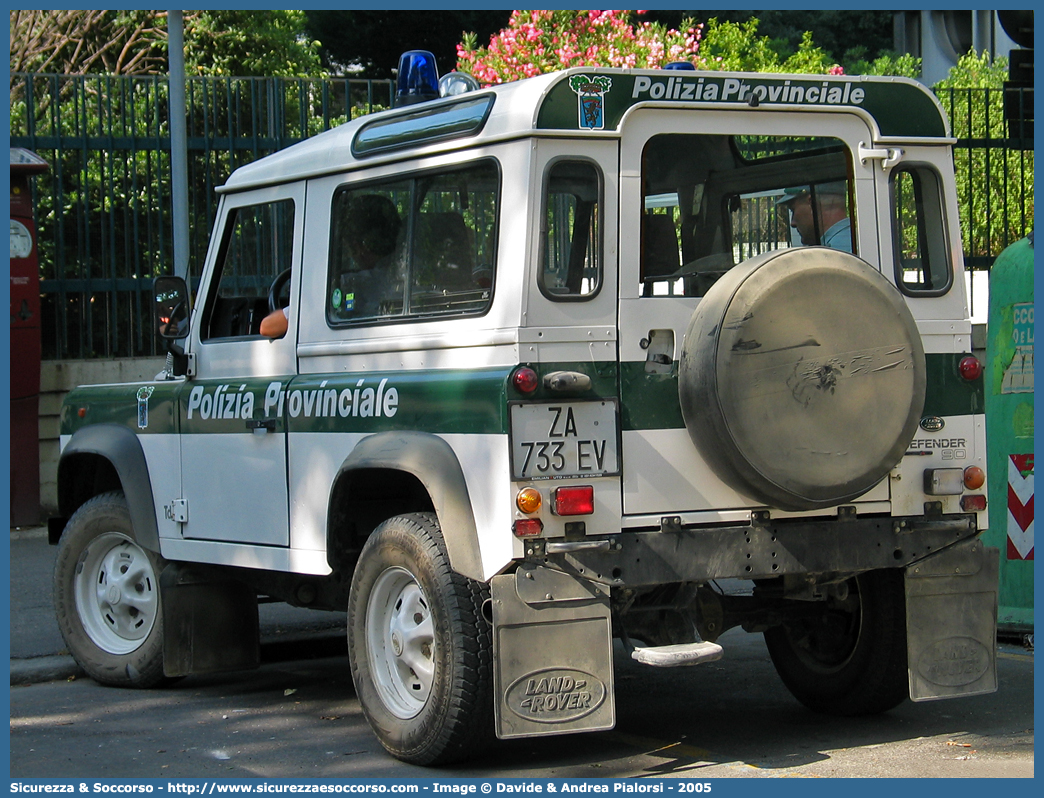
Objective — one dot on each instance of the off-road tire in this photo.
(107, 596)
(404, 596)
(851, 658)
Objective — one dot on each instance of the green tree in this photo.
(81, 42)
(987, 180)
(835, 31)
(888, 63)
(262, 42)
(738, 47)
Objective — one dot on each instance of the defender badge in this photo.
(932, 423)
(591, 92)
(143, 405)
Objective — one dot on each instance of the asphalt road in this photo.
(298, 717)
(727, 719)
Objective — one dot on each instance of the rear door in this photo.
(702, 191)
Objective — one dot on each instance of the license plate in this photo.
(564, 440)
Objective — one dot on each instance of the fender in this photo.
(121, 448)
(432, 461)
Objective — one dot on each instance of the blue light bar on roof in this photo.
(418, 78)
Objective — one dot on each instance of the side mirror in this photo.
(172, 307)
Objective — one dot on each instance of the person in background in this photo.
(821, 208)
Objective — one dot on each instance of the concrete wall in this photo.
(57, 378)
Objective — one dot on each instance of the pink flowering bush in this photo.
(535, 42)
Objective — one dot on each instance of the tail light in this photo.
(528, 500)
(970, 368)
(974, 477)
(577, 500)
(525, 380)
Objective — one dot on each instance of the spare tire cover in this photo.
(802, 377)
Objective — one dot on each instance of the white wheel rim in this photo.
(117, 593)
(400, 642)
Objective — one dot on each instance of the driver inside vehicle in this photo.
(370, 280)
(370, 236)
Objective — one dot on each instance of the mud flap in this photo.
(210, 623)
(951, 622)
(553, 649)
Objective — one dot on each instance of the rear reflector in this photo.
(975, 503)
(527, 527)
(574, 501)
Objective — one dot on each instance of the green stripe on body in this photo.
(441, 402)
(454, 401)
(650, 401)
(119, 404)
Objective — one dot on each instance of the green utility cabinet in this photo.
(1009, 430)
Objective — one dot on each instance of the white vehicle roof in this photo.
(591, 102)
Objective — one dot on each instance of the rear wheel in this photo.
(107, 596)
(850, 658)
(419, 646)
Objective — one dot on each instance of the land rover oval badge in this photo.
(954, 662)
(555, 695)
(932, 423)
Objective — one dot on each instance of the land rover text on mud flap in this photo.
(600, 354)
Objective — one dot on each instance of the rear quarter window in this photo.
(923, 266)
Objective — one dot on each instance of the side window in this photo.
(571, 264)
(713, 201)
(257, 248)
(414, 247)
(922, 258)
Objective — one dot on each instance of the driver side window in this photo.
(257, 247)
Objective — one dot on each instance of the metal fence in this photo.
(104, 207)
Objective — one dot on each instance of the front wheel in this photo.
(419, 645)
(849, 658)
(107, 596)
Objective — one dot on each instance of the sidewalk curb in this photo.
(44, 669)
(319, 643)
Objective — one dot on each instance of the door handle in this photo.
(262, 425)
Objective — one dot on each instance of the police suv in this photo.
(603, 354)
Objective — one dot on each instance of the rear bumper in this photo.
(763, 549)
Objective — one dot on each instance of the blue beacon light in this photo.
(418, 78)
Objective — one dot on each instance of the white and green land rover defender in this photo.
(564, 359)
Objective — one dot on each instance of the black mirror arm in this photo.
(179, 358)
